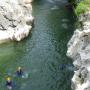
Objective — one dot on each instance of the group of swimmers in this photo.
(19, 73)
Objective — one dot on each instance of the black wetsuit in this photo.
(9, 83)
(19, 72)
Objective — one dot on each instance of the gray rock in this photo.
(79, 51)
(15, 19)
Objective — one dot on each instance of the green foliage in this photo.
(82, 7)
(73, 2)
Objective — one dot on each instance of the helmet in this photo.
(19, 68)
(8, 78)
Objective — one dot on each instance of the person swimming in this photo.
(9, 83)
(19, 72)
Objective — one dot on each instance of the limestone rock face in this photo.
(15, 19)
(79, 51)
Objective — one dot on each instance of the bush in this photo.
(73, 2)
(82, 7)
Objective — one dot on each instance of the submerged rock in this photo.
(79, 51)
(15, 19)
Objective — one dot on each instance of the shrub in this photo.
(82, 7)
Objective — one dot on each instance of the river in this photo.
(42, 54)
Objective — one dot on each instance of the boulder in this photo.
(15, 19)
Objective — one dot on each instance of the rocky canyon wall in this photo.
(15, 19)
(79, 51)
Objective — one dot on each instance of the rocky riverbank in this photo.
(79, 51)
(15, 19)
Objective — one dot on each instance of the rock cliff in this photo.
(79, 51)
(15, 19)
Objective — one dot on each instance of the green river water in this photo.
(43, 52)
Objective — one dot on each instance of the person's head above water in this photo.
(8, 79)
(19, 68)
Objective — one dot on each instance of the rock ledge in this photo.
(79, 51)
(15, 19)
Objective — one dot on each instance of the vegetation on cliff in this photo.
(82, 7)
(73, 2)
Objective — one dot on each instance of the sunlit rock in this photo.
(15, 19)
(79, 51)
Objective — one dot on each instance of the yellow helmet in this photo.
(8, 78)
(19, 68)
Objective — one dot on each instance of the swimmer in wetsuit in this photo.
(9, 83)
(19, 72)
